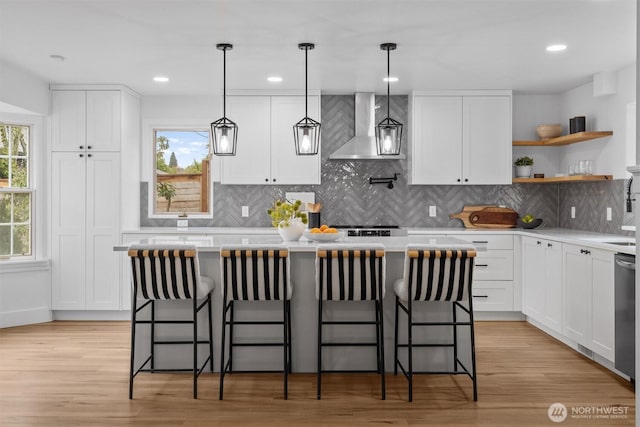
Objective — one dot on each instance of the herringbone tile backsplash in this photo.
(348, 198)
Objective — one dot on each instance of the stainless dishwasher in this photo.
(625, 302)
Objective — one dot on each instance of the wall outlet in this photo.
(183, 223)
(609, 214)
(573, 212)
(245, 211)
(432, 211)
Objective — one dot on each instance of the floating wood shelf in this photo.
(560, 179)
(564, 140)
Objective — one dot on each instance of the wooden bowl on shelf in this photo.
(549, 131)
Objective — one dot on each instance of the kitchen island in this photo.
(304, 310)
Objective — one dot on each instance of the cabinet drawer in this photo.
(492, 296)
(486, 242)
(494, 265)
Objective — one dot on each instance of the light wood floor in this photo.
(76, 374)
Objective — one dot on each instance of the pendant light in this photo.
(306, 132)
(388, 131)
(224, 132)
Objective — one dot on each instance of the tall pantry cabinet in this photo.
(95, 136)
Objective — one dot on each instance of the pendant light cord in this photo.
(388, 83)
(306, 106)
(224, 82)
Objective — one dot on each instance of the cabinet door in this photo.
(533, 278)
(286, 166)
(103, 120)
(577, 283)
(251, 164)
(102, 219)
(436, 146)
(603, 311)
(68, 120)
(552, 285)
(486, 140)
(68, 266)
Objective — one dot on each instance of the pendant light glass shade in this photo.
(388, 131)
(224, 132)
(306, 133)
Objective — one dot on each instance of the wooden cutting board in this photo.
(466, 212)
(494, 217)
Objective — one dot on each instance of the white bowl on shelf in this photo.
(323, 237)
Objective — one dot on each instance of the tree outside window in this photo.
(15, 191)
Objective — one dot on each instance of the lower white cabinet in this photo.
(589, 298)
(542, 281)
(85, 226)
(493, 271)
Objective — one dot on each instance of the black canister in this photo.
(572, 125)
(314, 219)
(580, 124)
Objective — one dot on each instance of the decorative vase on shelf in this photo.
(523, 171)
(291, 230)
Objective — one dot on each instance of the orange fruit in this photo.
(323, 227)
(315, 230)
(331, 230)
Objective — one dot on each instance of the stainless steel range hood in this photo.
(363, 145)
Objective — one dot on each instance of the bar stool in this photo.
(168, 273)
(252, 273)
(436, 274)
(351, 273)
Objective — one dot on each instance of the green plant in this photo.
(284, 211)
(168, 191)
(524, 161)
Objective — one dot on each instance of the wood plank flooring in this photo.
(76, 374)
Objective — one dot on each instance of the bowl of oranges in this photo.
(324, 233)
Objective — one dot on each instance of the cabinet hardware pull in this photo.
(266, 180)
(549, 245)
(81, 155)
(274, 180)
(458, 179)
(89, 147)
(482, 265)
(466, 180)
(539, 242)
(481, 296)
(479, 241)
(88, 155)
(81, 147)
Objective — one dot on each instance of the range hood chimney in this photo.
(363, 145)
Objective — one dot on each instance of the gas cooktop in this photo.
(372, 230)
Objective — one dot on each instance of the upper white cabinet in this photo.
(88, 120)
(460, 138)
(266, 152)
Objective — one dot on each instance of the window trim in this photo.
(36, 172)
(149, 126)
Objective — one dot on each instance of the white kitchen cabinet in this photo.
(85, 227)
(493, 271)
(460, 139)
(589, 298)
(266, 152)
(86, 120)
(542, 281)
(95, 181)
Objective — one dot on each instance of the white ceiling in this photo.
(442, 44)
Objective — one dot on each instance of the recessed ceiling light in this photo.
(161, 79)
(556, 47)
(390, 79)
(274, 79)
(57, 57)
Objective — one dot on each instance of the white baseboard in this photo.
(508, 316)
(25, 317)
(91, 315)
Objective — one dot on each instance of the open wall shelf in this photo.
(561, 179)
(564, 140)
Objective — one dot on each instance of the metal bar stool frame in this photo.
(416, 257)
(228, 318)
(326, 255)
(187, 255)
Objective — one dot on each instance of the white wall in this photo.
(22, 92)
(607, 112)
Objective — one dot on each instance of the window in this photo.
(16, 193)
(182, 183)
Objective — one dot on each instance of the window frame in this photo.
(150, 126)
(34, 123)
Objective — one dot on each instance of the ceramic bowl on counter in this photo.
(324, 237)
(529, 225)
